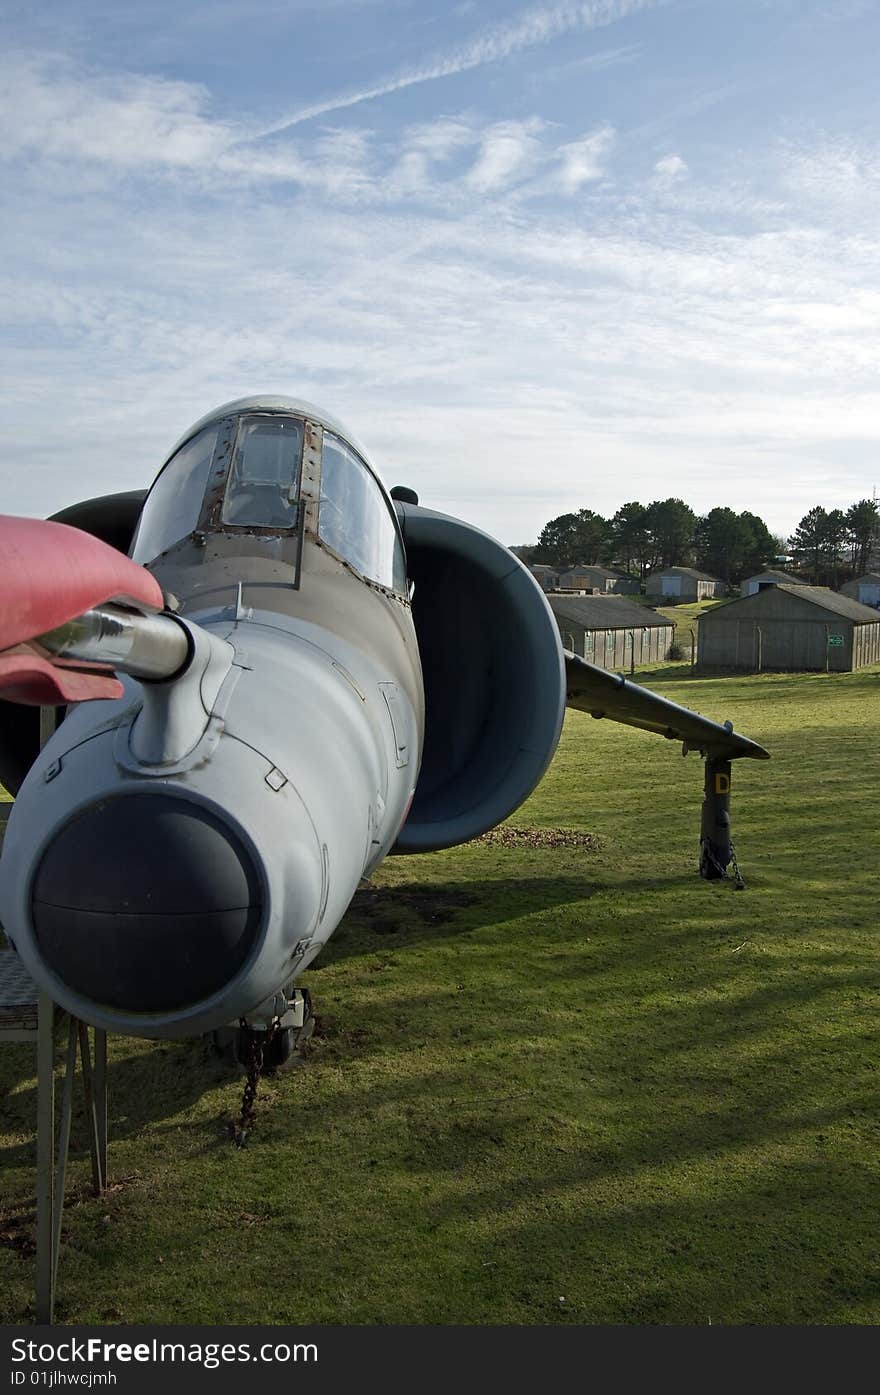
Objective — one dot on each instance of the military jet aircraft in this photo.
(315, 673)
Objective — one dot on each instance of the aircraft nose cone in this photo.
(146, 903)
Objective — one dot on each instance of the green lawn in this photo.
(552, 1085)
(684, 618)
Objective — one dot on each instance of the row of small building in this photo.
(779, 622)
(683, 584)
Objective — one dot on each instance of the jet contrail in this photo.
(537, 26)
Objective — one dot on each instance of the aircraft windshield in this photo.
(355, 518)
(263, 483)
(174, 504)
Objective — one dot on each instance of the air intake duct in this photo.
(146, 902)
(494, 680)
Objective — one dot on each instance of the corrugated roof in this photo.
(837, 604)
(870, 577)
(830, 601)
(605, 613)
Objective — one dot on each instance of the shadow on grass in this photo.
(777, 1249)
(665, 673)
(564, 1124)
(159, 1080)
(415, 911)
(663, 1107)
(164, 1078)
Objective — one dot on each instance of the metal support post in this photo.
(45, 1285)
(715, 848)
(95, 1144)
(62, 1150)
(28, 1015)
(99, 1085)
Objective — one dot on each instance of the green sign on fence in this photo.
(835, 641)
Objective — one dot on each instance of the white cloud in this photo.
(439, 139)
(671, 167)
(840, 177)
(48, 109)
(577, 351)
(60, 116)
(509, 150)
(583, 160)
(424, 148)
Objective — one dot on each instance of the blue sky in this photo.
(539, 257)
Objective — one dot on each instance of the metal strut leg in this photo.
(96, 1149)
(45, 1158)
(715, 847)
(63, 1147)
(52, 1159)
(52, 1154)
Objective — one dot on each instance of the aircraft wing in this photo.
(605, 694)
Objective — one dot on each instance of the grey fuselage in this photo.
(177, 855)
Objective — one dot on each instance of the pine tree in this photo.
(630, 538)
(671, 525)
(807, 542)
(863, 531)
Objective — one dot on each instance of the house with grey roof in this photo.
(610, 630)
(864, 588)
(606, 580)
(792, 627)
(546, 577)
(768, 577)
(675, 585)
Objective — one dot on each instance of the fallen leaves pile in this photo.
(541, 838)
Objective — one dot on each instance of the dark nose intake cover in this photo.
(146, 903)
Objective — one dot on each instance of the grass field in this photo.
(551, 1085)
(685, 617)
(684, 620)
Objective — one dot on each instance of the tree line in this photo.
(826, 546)
(831, 545)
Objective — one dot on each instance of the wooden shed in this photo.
(790, 626)
(611, 631)
(680, 584)
(546, 577)
(769, 577)
(605, 580)
(864, 588)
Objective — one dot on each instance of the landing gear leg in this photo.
(291, 1036)
(716, 845)
(295, 1024)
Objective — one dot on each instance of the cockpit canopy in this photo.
(241, 471)
(262, 489)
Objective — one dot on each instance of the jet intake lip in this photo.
(146, 903)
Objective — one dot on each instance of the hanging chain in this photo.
(257, 1043)
(739, 881)
(736, 877)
